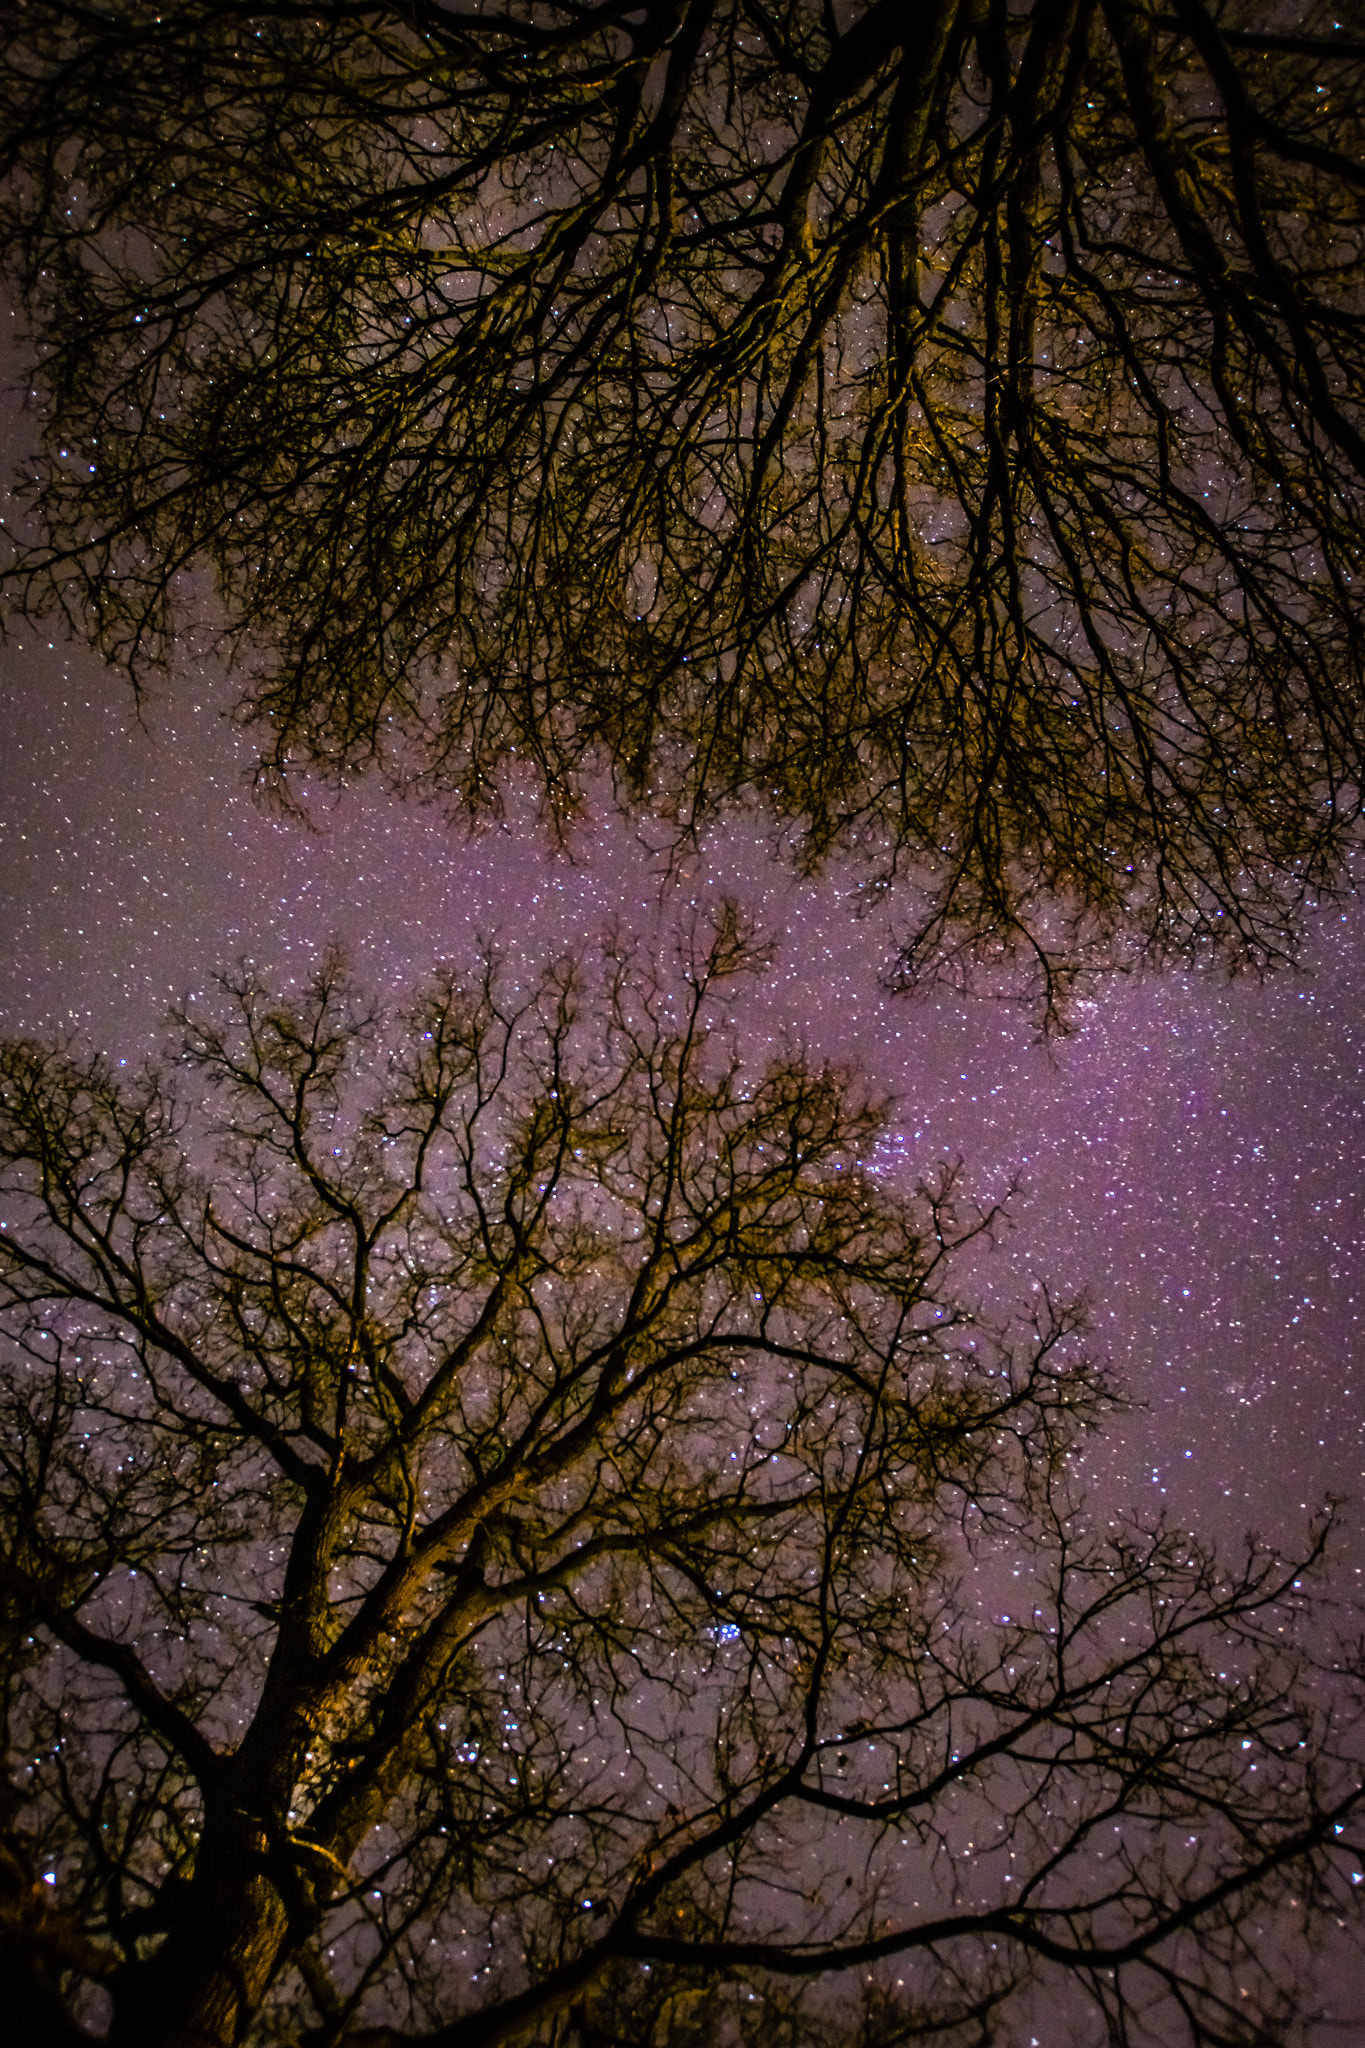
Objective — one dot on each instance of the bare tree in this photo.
(940, 422)
(511, 1531)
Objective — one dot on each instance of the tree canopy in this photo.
(939, 424)
(512, 1531)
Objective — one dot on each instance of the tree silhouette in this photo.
(507, 1528)
(941, 424)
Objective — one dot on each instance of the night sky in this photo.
(1191, 1155)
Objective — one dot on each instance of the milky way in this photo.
(1191, 1156)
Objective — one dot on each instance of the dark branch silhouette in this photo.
(940, 424)
(511, 1531)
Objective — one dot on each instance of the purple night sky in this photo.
(1191, 1156)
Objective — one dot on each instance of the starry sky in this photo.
(1191, 1155)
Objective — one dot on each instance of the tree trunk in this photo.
(208, 1978)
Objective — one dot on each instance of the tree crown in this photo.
(941, 425)
(504, 1482)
